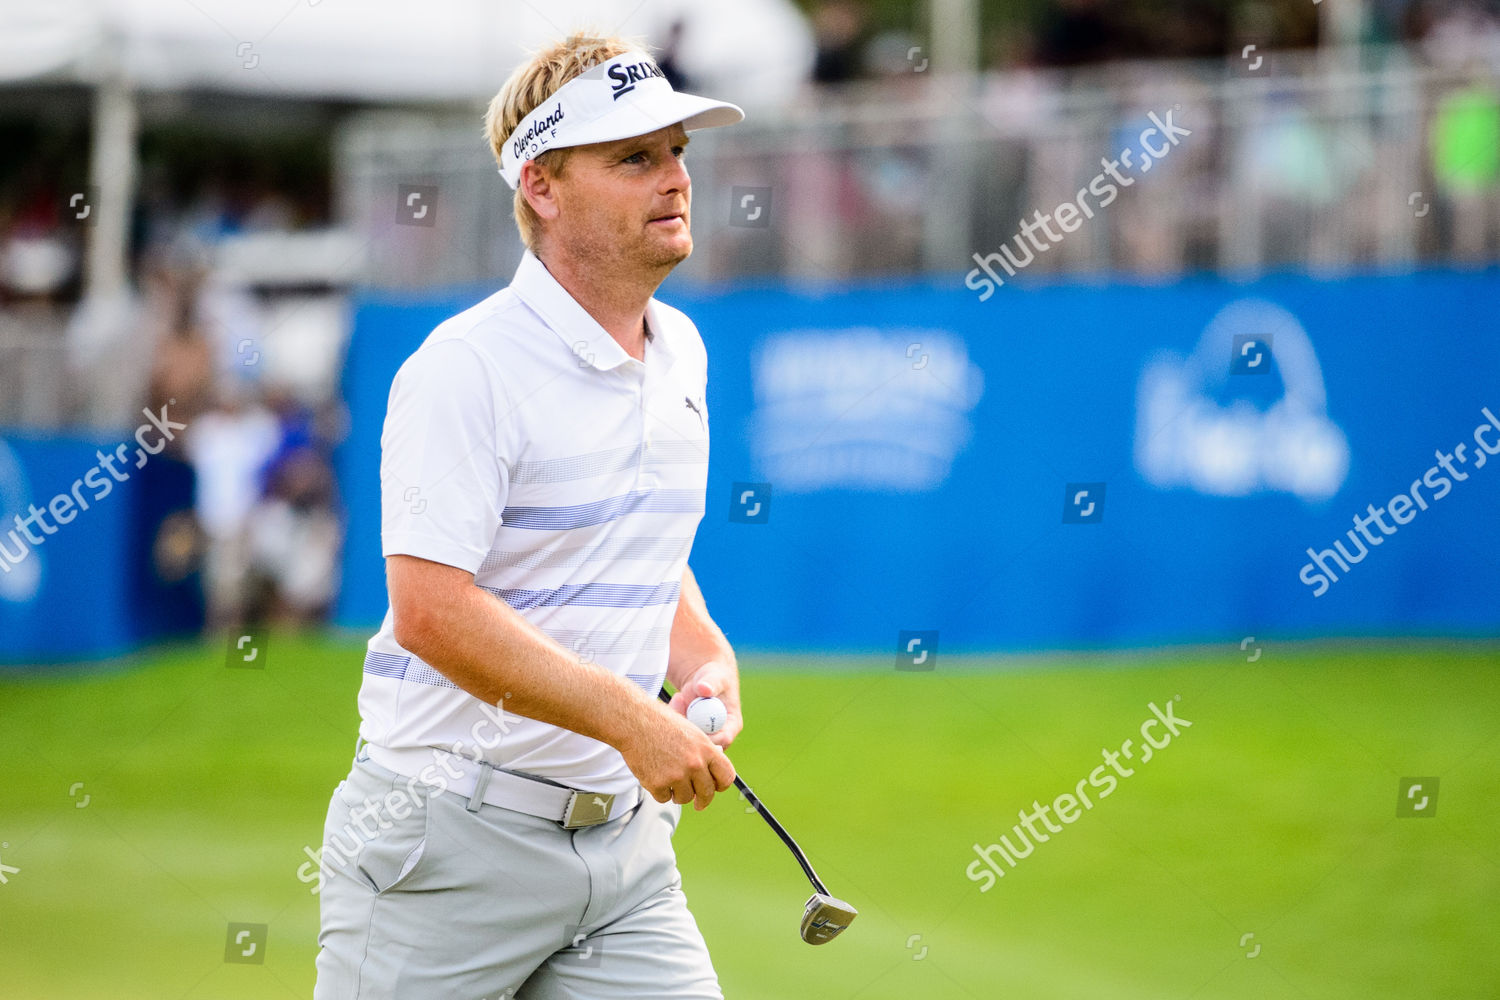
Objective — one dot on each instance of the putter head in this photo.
(825, 917)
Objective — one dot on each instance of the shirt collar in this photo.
(584, 337)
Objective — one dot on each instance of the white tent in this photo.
(753, 52)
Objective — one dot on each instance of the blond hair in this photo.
(529, 85)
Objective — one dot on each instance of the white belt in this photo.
(484, 784)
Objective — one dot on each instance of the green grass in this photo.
(1274, 815)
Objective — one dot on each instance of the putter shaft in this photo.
(786, 838)
(765, 814)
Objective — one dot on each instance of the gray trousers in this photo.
(424, 899)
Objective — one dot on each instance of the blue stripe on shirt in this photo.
(609, 509)
(404, 668)
(593, 595)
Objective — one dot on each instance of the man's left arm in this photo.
(700, 661)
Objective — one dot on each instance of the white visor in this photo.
(624, 97)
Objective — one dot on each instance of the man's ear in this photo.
(539, 189)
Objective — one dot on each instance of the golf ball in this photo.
(708, 714)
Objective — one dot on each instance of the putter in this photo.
(825, 915)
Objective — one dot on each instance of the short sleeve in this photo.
(444, 471)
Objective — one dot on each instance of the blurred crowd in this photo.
(1300, 157)
(855, 42)
(194, 337)
(260, 442)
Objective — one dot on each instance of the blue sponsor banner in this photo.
(105, 563)
(1069, 466)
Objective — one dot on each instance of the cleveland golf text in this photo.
(520, 142)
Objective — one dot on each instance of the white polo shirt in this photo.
(523, 444)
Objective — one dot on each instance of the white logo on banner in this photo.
(1192, 431)
(862, 408)
(20, 585)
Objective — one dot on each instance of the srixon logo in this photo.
(625, 77)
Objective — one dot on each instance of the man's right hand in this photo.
(675, 761)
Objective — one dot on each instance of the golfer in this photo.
(543, 467)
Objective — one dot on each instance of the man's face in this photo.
(625, 204)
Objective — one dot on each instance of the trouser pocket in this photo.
(377, 830)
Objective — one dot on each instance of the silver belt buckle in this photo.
(587, 809)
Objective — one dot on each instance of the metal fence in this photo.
(1327, 162)
(1324, 161)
